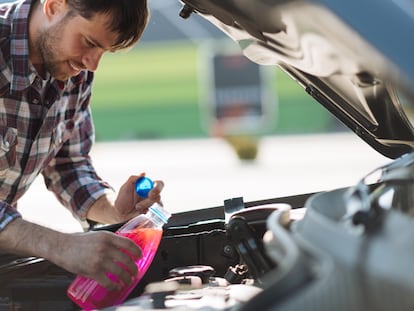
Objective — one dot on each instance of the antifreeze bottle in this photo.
(146, 231)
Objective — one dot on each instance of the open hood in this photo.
(356, 58)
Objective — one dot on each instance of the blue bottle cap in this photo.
(143, 186)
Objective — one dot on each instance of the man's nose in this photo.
(92, 58)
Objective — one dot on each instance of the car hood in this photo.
(353, 57)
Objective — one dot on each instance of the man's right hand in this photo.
(91, 254)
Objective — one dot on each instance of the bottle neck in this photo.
(158, 215)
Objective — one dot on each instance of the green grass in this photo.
(153, 92)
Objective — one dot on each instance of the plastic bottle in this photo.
(146, 231)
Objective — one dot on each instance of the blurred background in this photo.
(184, 106)
(162, 89)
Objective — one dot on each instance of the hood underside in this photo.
(353, 57)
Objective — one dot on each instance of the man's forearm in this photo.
(92, 254)
(25, 238)
(102, 210)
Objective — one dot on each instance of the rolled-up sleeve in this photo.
(7, 214)
(70, 175)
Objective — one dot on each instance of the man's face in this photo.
(73, 44)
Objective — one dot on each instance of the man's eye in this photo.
(90, 43)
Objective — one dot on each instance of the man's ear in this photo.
(54, 8)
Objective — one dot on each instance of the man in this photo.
(49, 50)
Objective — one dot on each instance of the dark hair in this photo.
(129, 17)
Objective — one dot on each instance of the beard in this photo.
(47, 48)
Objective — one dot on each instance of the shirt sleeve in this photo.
(70, 175)
(7, 214)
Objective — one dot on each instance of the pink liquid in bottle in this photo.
(89, 295)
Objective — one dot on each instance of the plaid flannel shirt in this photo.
(45, 126)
